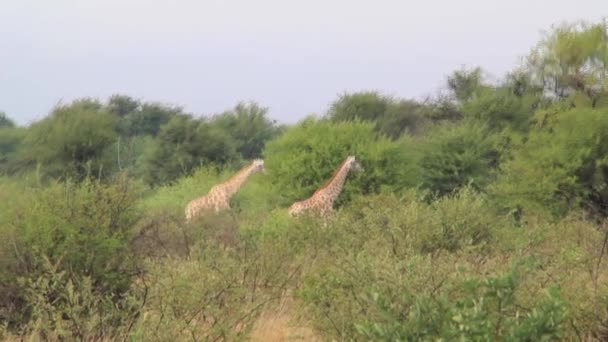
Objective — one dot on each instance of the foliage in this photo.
(369, 106)
(572, 57)
(248, 126)
(182, 145)
(64, 307)
(480, 215)
(485, 312)
(5, 121)
(84, 229)
(146, 119)
(10, 141)
(454, 156)
(71, 141)
(393, 118)
(562, 166)
(464, 83)
(304, 157)
(122, 105)
(499, 109)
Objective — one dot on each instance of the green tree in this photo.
(392, 118)
(456, 155)
(5, 121)
(500, 108)
(464, 83)
(249, 127)
(184, 144)
(148, 119)
(572, 58)
(122, 105)
(71, 141)
(563, 165)
(10, 141)
(368, 106)
(307, 154)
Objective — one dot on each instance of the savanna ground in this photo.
(481, 215)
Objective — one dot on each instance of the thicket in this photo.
(481, 213)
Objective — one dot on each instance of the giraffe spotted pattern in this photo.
(218, 198)
(322, 201)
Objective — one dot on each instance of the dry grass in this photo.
(279, 324)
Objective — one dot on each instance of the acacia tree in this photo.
(463, 83)
(182, 145)
(572, 58)
(249, 127)
(5, 121)
(71, 141)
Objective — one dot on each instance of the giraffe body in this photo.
(218, 198)
(322, 201)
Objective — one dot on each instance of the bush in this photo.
(499, 108)
(398, 269)
(392, 117)
(184, 144)
(249, 127)
(219, 290)
(85, 229)
(562, 166)
(455, 156)
(485, 312)
(304, 157)
(71, 141)
(67, 307)
(10, 141)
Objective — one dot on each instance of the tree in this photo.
(10, 141)
(148, 119)
(307, 154)
(249, 127)
(572, 58)
(405, 116)
(71, 141)
(368, 106)
(457, 155)
(392, 118)
(5, 121)
(122, 105)
(464, 83)
(499, 108)
(562, 166)
(184, 144)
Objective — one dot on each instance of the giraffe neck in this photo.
(334, 186)
(233, 184)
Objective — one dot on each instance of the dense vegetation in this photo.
(482, 213)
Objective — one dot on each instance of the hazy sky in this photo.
(292, 56)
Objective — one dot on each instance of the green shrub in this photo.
(71, 141)
(86, 226)
(486, 312)
(562, 166)
(455, 156)
(499, 108)
(10, 141)
(67, 307)
(304, 157)
(182, 145)
(219, 290)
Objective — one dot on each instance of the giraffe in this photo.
(218, 198)
(322, 201)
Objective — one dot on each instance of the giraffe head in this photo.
(258, 166)
(353, 164)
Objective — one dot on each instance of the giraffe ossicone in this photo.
(218, 198)
(322, 201)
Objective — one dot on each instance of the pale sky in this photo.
(294, 57)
